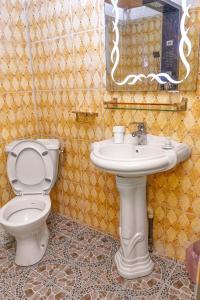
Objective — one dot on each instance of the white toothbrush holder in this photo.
(119, 132)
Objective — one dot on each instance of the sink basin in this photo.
(128, 152)
(131, 163)
(130, 159)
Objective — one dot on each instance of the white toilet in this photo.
(32, 168)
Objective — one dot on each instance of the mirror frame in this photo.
(131, 79)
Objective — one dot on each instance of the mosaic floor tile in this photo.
(96, 295)
(170, 293)
(92, 256)
(180, 280)
(57, 239)
(67, 279)
(70, 228)
(6, 296)
(50, 292)
(108, 244)
(153, 297)
(26, 284)
(50, 267)
(54, 221)
(10, 271)
(79, 265)
(88, 236)
(73, 251)
(5, 238)
(7, 252)
(92, 275)
(87, 252)
(3, 286)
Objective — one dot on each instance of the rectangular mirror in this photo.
(151, 45)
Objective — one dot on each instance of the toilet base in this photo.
(30, 249)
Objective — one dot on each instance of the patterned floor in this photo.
(79, 265)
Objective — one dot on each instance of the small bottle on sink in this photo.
(118, 134)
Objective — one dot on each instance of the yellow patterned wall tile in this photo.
(42, 65)
(88, 100)
(87, 73)
(3, 178)
(180, 231)
(57, 195)
(15, 71)
(62, 63)
(58, 17)
(38, 26)
(72, 193)
(70, 162)
(14, 122)
(113, 203)
(92, 130)
(13, 22)
(96, 205)
(85, 15)
(159, 229)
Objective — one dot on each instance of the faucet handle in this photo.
(140, 125)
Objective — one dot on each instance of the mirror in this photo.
(151, 45)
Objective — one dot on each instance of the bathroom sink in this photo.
(127, 152)
(130, 160)
(131, 163)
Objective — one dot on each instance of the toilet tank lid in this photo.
(51, 144)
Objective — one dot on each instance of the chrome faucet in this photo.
(140, 133)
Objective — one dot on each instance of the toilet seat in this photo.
(20, 205)
(24, 161)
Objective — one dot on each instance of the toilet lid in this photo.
(30, 168)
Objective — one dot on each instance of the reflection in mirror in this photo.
(151, 45)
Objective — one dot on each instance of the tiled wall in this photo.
(68, 60)
(17, 108)
(67, 42)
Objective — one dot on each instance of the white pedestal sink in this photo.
(131, 164)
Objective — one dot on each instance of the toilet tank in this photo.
(53, 145)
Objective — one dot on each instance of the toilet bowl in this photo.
(24, 217)
(32, 171)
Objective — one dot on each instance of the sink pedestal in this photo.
(133, 259)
